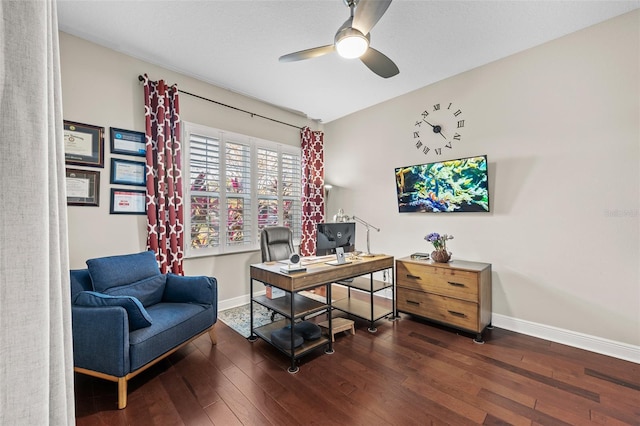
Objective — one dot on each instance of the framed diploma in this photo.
(83, 144)
(83, 187)
(125, 201)
(127, 142)
(125, 172)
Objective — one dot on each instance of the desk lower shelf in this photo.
(302, 305)
(361, 309)
(264, 332)
(364, 303)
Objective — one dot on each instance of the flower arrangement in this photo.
(439, 241)
(440, 244)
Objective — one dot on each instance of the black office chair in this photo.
(276, 243)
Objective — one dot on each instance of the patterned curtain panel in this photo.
(312, 144)
(165, 213)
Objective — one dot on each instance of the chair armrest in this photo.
(101, 339)
(197, 289)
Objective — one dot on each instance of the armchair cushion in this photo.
(193, 289)
(148, 291)
(137, 314)
(173, 323)
(115, 271)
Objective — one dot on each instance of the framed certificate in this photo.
(83, 144)
(125, 172)
(83, 187)
(125, 201)
(127, 142)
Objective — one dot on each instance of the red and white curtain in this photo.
(165, 207)
(312, 143)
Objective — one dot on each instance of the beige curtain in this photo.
(36, 362)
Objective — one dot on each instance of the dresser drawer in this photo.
(454, 312)
(441, 280)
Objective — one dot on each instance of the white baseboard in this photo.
(571, 338)
(237, 301)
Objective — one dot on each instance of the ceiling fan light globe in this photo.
(351, 43)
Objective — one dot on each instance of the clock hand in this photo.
(436, 129)
(430, 124)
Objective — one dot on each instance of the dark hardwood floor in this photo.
(408, 373)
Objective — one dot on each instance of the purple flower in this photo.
(439, 241)
(434, 236)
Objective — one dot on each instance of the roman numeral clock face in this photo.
(438, 129)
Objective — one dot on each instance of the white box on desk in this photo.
(274, 292)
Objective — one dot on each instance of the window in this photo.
(238, 185)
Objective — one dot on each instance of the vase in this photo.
(441, 256)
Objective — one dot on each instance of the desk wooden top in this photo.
(317, 273)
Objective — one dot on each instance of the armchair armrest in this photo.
(197, 289)
(101, 339)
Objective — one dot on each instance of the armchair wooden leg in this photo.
(122, 392)
(212, 335)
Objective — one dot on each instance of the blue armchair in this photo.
(127, 316)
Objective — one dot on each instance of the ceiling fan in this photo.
(352, 39)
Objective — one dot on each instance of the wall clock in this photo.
(439, 127)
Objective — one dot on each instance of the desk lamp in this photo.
(341, 217)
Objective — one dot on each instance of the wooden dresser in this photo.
(456, 294)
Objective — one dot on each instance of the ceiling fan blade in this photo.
(307, 54)
(368, 13)
(379, 63)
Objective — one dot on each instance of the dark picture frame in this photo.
(83, 144)
(83, 187)
(128, 142)
(127, 172)
(128, 201)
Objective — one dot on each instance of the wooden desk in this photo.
(294, 306)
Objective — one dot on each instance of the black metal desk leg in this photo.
(329, 310)
(252, 337)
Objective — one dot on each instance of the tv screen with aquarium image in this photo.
(460, 185)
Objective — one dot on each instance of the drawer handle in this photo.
(413, 277)
(457, 314)
(455, 284)
(411, 302)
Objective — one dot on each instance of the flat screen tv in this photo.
(460, 185)
(332, 235)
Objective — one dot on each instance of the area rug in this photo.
(239, 318)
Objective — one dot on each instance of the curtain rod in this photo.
(252, 114)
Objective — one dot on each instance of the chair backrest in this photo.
(276, 243)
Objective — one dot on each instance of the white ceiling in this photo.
(235, 44)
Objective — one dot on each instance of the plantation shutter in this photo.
(267, 188)
(204, 193)
(238, 194)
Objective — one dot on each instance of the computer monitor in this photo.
(332, 235)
